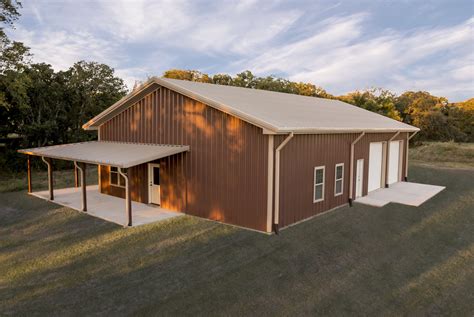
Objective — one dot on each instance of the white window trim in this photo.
(323, 183)
(118, 178)
(336, 179)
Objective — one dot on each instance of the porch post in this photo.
(128, 201)
(29, 174)
(82, 169)
(50, 177)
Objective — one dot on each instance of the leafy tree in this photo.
(191, 75)
(378, 100)
(90, 88)
(13, 55)
(223, 79)
(308, 89)
(245, 79)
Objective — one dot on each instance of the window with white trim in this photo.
(339, 179)
(115, 178)
(318, 194)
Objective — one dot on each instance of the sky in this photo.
(341, 46)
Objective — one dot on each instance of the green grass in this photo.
(64, 178)
(447, 154)
(396, 260)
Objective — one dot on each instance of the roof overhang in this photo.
(123, 155)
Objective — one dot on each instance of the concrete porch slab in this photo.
(108, 207)
(412, 194)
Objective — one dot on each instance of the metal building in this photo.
(257, 159)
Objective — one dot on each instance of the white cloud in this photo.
(341, 58)
(341, 53)
(62, 49)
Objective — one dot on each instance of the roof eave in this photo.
(335, 131)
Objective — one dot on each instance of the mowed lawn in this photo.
(395, 260)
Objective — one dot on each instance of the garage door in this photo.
(394, 162)
(375, 166)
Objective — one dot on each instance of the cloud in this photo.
(341, 57)
(333, 45)
(62, 49)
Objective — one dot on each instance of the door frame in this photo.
(150, 182)
(400, 162)
(361, 180)
(382, 158)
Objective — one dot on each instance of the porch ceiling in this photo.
(117, 154)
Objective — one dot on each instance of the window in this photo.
(318, 184)
(339, 179)
(115, 178)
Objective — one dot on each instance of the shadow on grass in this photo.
(361, 260)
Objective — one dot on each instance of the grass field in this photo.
(446, 154)
(62, 179)
(396, 260)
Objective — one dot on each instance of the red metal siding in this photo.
(225, 171)
(138, 187)
(305, 152)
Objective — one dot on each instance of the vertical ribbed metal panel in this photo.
(305, 152)
(223, 177)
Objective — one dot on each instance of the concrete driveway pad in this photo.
(412, 194)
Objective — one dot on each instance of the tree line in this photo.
(438, 119)
(40, 106)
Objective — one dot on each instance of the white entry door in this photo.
(394, 162)
(359, 177)
(375, 166)
(154, 183)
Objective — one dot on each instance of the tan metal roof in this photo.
(117, 154)
(273, 111)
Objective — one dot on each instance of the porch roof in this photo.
(117, 154)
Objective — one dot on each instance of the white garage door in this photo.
(375, 166)
(394, 162)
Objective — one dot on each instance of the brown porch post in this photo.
(48, 162)
(128, 201)
(29, 174)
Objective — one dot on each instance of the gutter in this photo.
(387, 167)
(406, 154)
(351, 168)
(276, 218)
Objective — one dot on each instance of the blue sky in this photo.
(341, 46)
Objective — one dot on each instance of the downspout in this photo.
(387, 167)
(83, 186)
(406, 155)
(276, 217)
(128, 203)
(50, 178)
(351, 169)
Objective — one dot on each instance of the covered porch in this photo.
(107, 207)
(122, 157)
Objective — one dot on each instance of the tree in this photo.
(89, 88)
(308, 89)
(13, 55)
(245, 79)
(223, 79)
(378, 100)
(190, 75)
